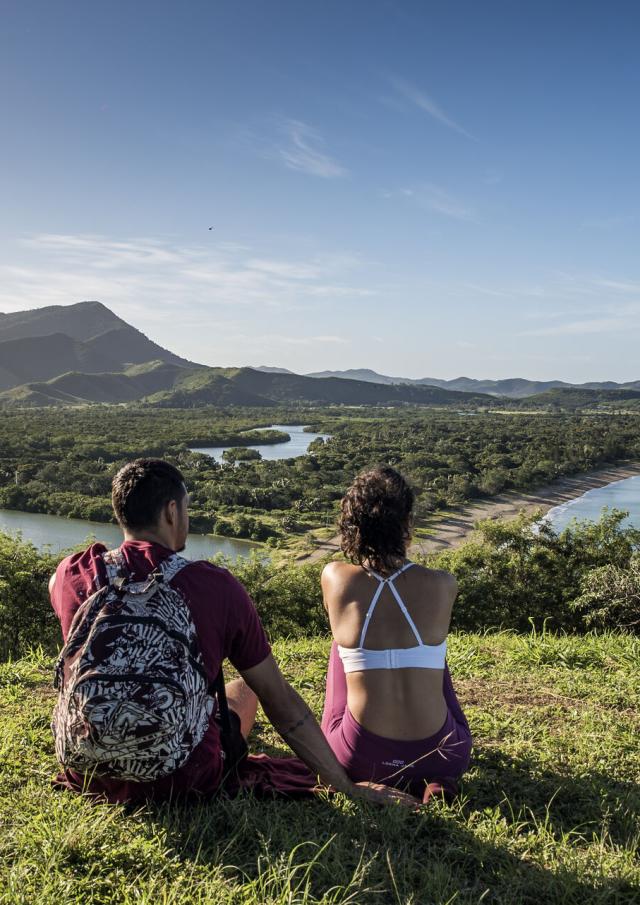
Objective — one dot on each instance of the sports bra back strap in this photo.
(381, 583)
(402, 569)
(405, 612)
(372, 606)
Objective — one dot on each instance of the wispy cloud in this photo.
(620, 286)
(434, 198)
(285, 269)
(287, 344)
(304, 151)
(519, 290)
(307, 340)
(616, 318)
(567, 305)
(157, 283)
(411, 93)
(579, 327)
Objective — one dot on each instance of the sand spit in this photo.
(454, 529)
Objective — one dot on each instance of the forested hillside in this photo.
(80, 321)
(572, 398)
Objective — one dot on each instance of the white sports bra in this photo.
(422, 656)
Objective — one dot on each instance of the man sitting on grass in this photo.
(146, 633)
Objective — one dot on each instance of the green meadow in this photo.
(549, 812)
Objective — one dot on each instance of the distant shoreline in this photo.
(453, 530)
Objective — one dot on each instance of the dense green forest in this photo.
(62, 461)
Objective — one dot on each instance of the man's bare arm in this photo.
(294, 721)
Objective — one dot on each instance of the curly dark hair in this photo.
(375, 519)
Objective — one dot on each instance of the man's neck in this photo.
(150, 536)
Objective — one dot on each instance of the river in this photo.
(290, 449)
(624, 495)
(53, 533)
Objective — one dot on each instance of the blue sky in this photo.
(425, 189)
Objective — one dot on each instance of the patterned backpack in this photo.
(134, 700)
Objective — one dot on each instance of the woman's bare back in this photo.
(395, 703)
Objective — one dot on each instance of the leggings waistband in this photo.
(355, 735)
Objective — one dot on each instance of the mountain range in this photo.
(82, 353)
(512, 388)
(75, 354)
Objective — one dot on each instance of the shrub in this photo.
(610, 597)
(288, 598)
(26, 617)
(521, 570)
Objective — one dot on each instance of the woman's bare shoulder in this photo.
(442, 585)
(338, 572)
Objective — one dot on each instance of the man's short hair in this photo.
(142, 488)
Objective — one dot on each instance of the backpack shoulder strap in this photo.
(170, 566)
(116, 566)
(87, 612)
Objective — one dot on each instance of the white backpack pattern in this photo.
(134, 700)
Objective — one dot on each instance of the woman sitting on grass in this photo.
(391, 714)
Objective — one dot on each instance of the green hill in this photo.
(42, 357)
(513, 388)
(573, 398)
(74, 387)
(162, 384)
(334, 391)
(206, 387)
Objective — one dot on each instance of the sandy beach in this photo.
(452, 530)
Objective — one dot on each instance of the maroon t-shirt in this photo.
(227, 626)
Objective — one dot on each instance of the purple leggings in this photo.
(440, 758)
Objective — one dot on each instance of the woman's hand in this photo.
(377, 793)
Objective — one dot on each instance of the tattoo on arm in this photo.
(291, 729)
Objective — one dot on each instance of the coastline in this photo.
(453, 530)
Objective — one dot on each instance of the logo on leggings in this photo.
(393, 763)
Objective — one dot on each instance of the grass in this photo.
(549, 810)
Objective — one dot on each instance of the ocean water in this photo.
(624, 495)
